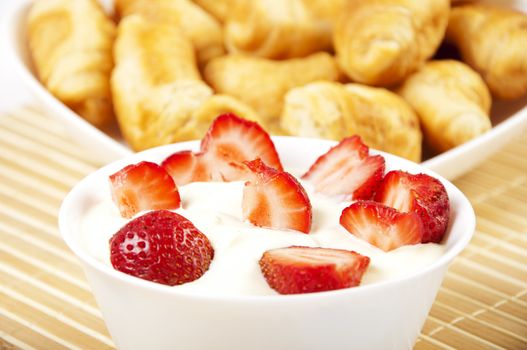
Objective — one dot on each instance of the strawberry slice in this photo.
(163, 247)
(347, 169)
(143, 186)
(229, 142)
(382, 226)
(275, 199)
(186, 167)
(421, 194)
(295, 270)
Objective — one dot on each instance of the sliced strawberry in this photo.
(421, 194)
(382, 226)
(275, 199)
(163, 247)
(347, 169)
(229, 142)
(143, 186)
(295, 270)
(186, 167)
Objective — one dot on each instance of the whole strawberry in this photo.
(161, 246)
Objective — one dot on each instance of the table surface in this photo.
(46, 303)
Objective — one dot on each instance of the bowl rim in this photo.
(466, 211)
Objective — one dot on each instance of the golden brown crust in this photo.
(493, 41)
(380, 42)
(262, 83)
(154, 65)
(334, 111)
(159, 96)
(277, 29)
(71, 46)
(203, 30)
(219, 9)
(451, 100)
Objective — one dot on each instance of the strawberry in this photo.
(273, 198)
(229, 142)
(161, 246)
(347, 169)
(143, 186)
(421, 194)
(186, 167)
(295, 270)
(382, 226)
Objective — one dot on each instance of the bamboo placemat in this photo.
(45, 302)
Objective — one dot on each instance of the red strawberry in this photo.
(382, 226)
(275, 199)
(421, 194)
(161, 246)
(229, 142)
(295, 270)
(186, 167)
(143, 186)
(347, 169)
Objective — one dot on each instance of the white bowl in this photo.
(508, 118)
(145, 315)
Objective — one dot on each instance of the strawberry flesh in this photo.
(275, 199)
(143, 186)
(229, 142)
(163, 247)
(421, 194)
(347, 169)
(295, 270)
(382, 226)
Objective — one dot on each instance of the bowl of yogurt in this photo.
(231, 306)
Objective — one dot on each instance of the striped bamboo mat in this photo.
(45, 302)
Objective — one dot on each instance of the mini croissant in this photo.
(451, 100)
(493, 41)
(334, 111)
(380, 42)
(277, 29)
(159, 96)
(71, 45)
(203, 30)
(262, 83)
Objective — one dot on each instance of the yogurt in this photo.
(215, 208)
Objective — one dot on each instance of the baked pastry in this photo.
(493, 41)
(451, 100)
(380, 42)
(276, 29)
(219, 9)
(262, 83)
(158, 94)
(71, 46)
(334, 111)
(204, 31)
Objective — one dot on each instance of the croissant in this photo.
(276, 28)
(334, 111)
(71, 46)
(380, 42)
(262, 83)
(204, 31)
(493, 41)
(219, 9)
(159, 96)
(451, 100)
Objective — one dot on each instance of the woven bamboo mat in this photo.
(45, 302)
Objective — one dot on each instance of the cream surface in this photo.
(215, 209)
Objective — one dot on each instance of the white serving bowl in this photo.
(145, 315)
(509, 118)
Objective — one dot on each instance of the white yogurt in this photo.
(215, 209)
